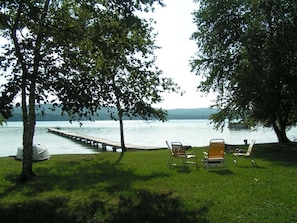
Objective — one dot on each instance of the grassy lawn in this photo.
(139, 187)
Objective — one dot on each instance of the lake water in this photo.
(153, 133)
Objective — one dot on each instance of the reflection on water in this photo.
(153, 133)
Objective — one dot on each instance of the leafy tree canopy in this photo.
(80, 54)
(248, 55)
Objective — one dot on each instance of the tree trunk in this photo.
(28, 133)
(27, 169)
(122, 133)
(117, 92)
(29, 121)
(280, 131)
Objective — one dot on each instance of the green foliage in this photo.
(81, 54)
(139, 187)
(122, 45)
(247, 53)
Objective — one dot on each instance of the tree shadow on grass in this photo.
(283, 154)
(182, 170)
(249, 166)
(46, 211)
(80, 175)
(151, 207)
(89, 178)
(136, 206)
(221, 171)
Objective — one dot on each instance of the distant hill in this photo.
(197, 113)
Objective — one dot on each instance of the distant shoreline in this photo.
(193, 113)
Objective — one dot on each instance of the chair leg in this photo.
(204, 163)
(169, 162)
(254, 164)
(184, 162)
(193, 162)
(197, 165)
(235, 160)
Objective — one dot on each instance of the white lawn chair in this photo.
(178, 151)
(245, 153)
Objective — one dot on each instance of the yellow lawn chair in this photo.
(216, 153)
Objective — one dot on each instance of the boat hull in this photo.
(39, 153)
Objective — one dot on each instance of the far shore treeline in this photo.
(49, 115)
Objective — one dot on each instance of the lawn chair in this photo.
(245, 153)
(216, 153)
(178, 151)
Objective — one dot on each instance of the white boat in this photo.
(39, 153)
(238, 125)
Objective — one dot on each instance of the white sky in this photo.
(175, 27)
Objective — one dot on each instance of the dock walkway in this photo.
(98, 142)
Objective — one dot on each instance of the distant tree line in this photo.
(45, 113)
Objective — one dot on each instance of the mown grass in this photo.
(139, 187)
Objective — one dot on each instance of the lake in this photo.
(154, 133)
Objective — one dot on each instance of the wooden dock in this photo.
(98, 142)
